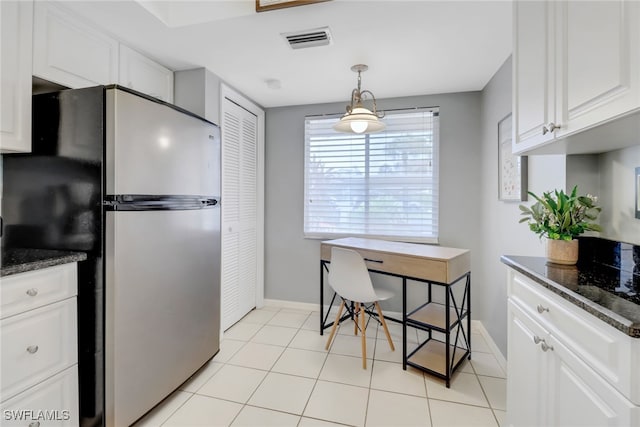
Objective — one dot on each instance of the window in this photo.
(379, 185)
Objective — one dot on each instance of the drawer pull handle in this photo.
(537, 339)
(379, 261)
(546, 347)
(541, 309)
(34, 424)
(32, 349)
(32, 292)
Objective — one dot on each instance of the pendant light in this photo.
(359, 119)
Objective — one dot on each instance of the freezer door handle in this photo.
(210, 202)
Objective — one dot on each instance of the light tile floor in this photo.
(273, 370)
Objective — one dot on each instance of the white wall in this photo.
(292, 262)
(617, 195)
(611, 177)
(498, 223)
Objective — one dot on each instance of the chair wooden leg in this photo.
(335, 325)
(384, 325)
(363, 322)
(356, 312)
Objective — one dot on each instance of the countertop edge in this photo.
(63, 257)
(624, 325)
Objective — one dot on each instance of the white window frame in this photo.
(317, 128)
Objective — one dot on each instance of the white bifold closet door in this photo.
(239, 212)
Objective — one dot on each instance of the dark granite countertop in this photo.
(17, 260)
(608, 292)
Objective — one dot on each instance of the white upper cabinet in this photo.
(576, 66)
(598, 57)
(144, 75)
(533, 83)
(69, 52)
(15, 85)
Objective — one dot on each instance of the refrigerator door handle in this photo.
(129, 202)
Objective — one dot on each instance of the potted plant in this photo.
(561, 218)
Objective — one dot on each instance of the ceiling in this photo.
(412, 47)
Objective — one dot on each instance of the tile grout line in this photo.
(317, 378)
(371, 351)
(244, 405)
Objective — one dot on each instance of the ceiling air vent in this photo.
(308, 38)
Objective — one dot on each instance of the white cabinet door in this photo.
(576, 66)
(15, 85)
(527, 368)
(58, 396)
(533, 77)
(598, 54)
(144, 75)
(239, 268)
(37, 344)
(577, 396)
(69, 52)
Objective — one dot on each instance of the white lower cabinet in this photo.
(50, 403)
(548, 385)
(39, 352)
(552, 380)
(526, 364)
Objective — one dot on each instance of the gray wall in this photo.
(292, 262)
(471, 215)
(500, 232)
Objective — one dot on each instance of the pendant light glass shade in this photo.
(359, 119)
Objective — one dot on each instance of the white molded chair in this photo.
(349, 278)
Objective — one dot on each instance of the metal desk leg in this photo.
(404, 323)
(321, 299)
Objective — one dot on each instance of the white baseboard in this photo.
(295, 305)
(477, 326)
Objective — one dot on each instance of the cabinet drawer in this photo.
(26, 291)
(37, 344)
(53, 402)
(602, 347)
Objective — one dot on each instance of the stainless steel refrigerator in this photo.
(135, 183)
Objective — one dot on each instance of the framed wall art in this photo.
(264, 5)
(512, 170)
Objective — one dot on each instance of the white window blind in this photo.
(379, 185)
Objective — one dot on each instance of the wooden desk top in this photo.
(427, 262)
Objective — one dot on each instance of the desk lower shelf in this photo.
(432, 356)
(433, 316)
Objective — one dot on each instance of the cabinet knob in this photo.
(32, 292)
(32, 349)
(537, 339)
(552, 127)
(549, 128)
(34, 424)
(541, 309)
(545, 347)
